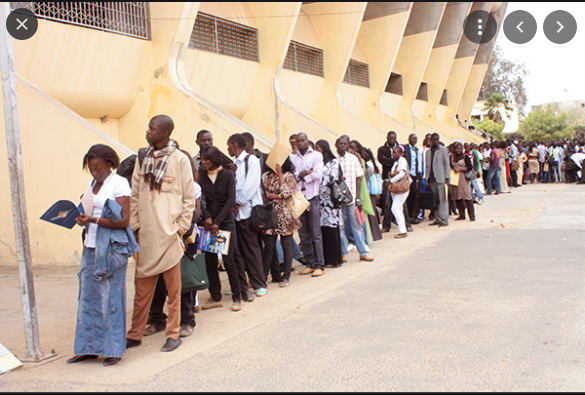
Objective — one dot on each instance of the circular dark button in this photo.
(520, 27)
(480, 27)
(560, 27)
(22, 24)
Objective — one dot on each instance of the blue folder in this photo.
(63, 213)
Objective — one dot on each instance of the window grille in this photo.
(224, 37)
(357, 74)
(394, 84)
(129, 19)
(304, 59)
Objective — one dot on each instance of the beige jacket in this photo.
(162, 217)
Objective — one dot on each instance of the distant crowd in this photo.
(338, 199)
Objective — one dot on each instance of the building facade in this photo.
(97, 72)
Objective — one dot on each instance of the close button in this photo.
(22, 24)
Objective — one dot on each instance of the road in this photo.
(495, 305)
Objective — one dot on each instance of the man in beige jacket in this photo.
(163, 200)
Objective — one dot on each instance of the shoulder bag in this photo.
(193, 273)
(403, 185)
(263, 216)
(340, 193)
(375, 184)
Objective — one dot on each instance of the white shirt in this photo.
(400, 166)
(578, 158)
(114, 186)
(248, 191)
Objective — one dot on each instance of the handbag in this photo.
(403, 185)
(340, 193)
(264, 216)
(193, 273)
(297, 204)
(470, 175)
(375, 184)
(426, 201)
(514, 165)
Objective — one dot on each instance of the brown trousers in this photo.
(144, 291)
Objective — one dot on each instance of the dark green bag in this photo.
(193, 273)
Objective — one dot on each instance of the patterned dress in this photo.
(330, 215)
(286, 223)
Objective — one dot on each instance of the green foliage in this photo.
(507, 78)
(545, 124)
(492, 106)
(490, 127)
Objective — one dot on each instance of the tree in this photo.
(545, 124)
(507, 78)
(493, 105)
(490, 127)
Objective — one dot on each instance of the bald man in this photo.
(161, 209)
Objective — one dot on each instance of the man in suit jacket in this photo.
(414, 160)
(387, 160)
(438, 171)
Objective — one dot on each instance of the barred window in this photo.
(224, 37)
(129, 19)
(304, 59)
(394, 85)
(357, 74)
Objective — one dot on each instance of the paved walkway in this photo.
(492, 305)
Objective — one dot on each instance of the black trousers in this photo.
(158, 317)
(411, 201)
(249, 253)
(269, 257)
(514, 178)
(234, 272)
(462, 204)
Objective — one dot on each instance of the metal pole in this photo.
(29, 307)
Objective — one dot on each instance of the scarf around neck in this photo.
(154, 175)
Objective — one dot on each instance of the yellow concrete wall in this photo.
(384, 32)
(301, 90)
(54, 141)
(92, 72)
(353, 97)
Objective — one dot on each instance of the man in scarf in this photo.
(163, 200)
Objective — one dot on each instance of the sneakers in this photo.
(211, 304)
(317, 273)
(366, 258)
(480, 202)
(152, 329)
(351, 247)
(308, 270)
(261, 292)
(237, 306)
(186, 330)
(367, 248)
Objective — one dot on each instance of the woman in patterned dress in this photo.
(280, 185)
(330, 215)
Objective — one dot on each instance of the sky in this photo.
(553, 68)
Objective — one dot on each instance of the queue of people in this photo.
(152, 207)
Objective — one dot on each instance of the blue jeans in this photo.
(555, 172)
(493, 171)
(343, 242)
(353, 224)
(475, 187)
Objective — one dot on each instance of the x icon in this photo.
(21, 24)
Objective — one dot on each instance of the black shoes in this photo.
(171, 344)
(111, 361)
(247, 296)
(132, 343)
(435, 223)
(81, 358)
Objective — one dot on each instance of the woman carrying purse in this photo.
(280, 185)
(398, 172)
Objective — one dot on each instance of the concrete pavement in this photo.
(491, 305)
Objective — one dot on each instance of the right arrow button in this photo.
(560, 27)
